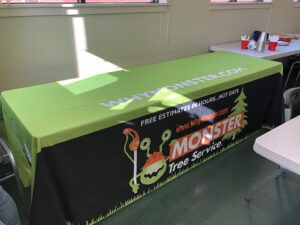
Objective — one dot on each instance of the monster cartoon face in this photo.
(154, 168)
(156, 163)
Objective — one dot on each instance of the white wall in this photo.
(41, 49)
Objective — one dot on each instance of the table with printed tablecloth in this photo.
(88, 147)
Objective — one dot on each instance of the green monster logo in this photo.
(156, 163)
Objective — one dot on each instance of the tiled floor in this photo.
(213, 194)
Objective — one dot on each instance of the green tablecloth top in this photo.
(44, 115)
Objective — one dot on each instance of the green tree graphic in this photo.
(239, 107)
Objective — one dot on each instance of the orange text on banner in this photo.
(206, 135)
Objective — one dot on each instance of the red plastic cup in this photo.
(244, 44)
(272, 46)
(285, 39)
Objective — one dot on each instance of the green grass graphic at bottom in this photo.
(128, 202)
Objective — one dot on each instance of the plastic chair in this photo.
(14, 173)
(292, 101)
(290, 72)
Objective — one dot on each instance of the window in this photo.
(238, 1)
(76, 1)
(16, 8)
(296, 3)
(239, 4)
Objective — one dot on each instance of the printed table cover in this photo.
(92, 146)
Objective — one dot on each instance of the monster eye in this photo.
(166, 135)
(145, 144)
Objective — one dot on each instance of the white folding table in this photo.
(281, 146)
(281, 51)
